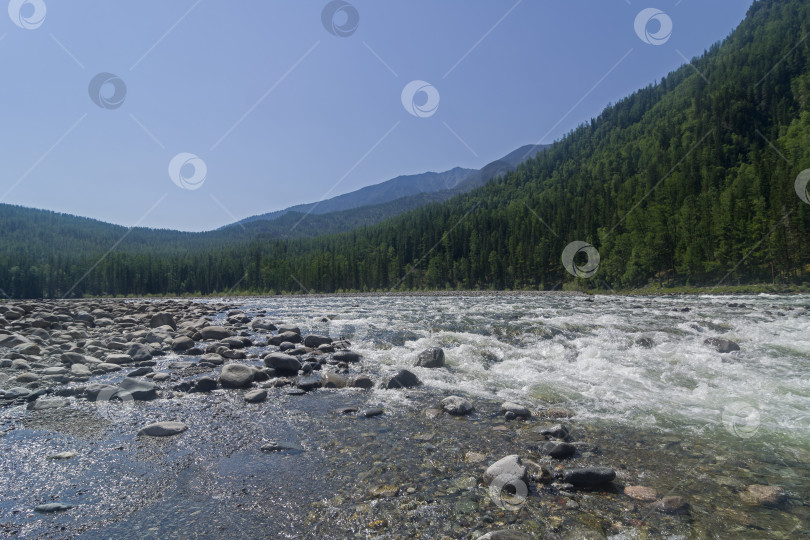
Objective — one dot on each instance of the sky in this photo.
(192, 114)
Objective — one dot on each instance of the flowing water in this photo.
(665, 409)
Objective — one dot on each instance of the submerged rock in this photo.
(764, 495)
(641, 493)
(278, 446)
(506, 534)
(670, 505)
(589, 477)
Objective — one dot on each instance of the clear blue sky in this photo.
(320, 114)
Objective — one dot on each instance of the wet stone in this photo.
(163, 429)
(641, 493)
(256, 396)
(52, 507)
(589, 477)
(279, 446)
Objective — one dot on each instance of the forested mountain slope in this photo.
(690, 181)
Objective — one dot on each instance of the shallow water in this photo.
(673, 415)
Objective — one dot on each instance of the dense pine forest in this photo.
(688, 181)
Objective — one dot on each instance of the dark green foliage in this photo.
(682, 182)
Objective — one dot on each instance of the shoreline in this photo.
(743, 290)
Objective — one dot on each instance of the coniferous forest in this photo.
(689, 181)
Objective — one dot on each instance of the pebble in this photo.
(764, 495)
(670, 505)
(641, 493)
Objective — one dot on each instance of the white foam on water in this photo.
(560, 349)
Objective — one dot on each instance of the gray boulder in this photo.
(140, 352)
(350, 357)
(457, 406)
(236, 376)
(215, 332)
(291, 337)
(431, 358)
(162, 318)
(284, 364)
(403, 379)
(182, 343)
(316, 341)
(507, 470)
(162, 429)
(137, 390)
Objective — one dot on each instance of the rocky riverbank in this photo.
(181, 418)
